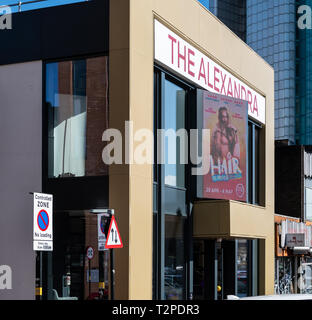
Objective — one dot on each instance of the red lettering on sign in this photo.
(249, 99)
(223, 83)
(230, 89)
(181, 56)
(202, 71)
(255, 106)
(190, 62)
(236, 90)
(209, 84)
(216, 79)
(173, 40)
(243, 90)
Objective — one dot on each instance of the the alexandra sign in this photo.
(175, 53)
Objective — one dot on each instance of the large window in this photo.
(174, 258)
(77, 103)
(174, 110)
(308, 203)
(254, 163)
(170, 189)
(174, 190)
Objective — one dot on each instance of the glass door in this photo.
(76, 269)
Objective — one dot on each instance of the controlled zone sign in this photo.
(113, 236)
(43, 222)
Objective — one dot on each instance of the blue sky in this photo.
(47, 3)
(205, 3)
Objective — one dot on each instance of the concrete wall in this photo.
(20, 171)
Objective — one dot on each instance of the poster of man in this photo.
(226, 118)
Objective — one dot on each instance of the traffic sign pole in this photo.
(112, 274)
(41, 275)
(113, 240)
(89, 278)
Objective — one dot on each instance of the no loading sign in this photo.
(42, 227)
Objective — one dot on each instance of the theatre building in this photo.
(197, 225)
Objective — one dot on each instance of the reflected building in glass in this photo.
(303, 83)
(269, 28)
(271, 32)
(232, 13)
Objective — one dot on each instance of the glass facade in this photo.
(227, 267)
(254, 173)
(270, 28)
(271, 32)
(174, 258)
(242, 268)
(67, 271)
(232, 13)
(31, 5)
(308, 198)
(174, 277)
(170, 214)
(205, 3)
(174, 121)
(304, 83)
(77, 106)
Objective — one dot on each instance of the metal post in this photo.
(89, 278)
(112, 274)
(40, 281)
(296, 275)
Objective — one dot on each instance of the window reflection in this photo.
(242, 268)
(308, 203)
(73, 274)
(174, 258)
(174, 120)
(77, 102)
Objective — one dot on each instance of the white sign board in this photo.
(177, 54)
(295, 240)
(43, 222)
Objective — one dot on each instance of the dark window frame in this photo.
(253, 163)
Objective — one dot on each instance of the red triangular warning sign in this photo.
(113, 237)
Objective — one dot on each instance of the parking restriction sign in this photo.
(43, 218)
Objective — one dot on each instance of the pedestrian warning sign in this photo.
(113, 236)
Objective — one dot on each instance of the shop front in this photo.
(293, 263)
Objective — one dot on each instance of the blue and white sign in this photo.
(43, 222)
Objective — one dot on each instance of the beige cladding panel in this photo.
(131, 98)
